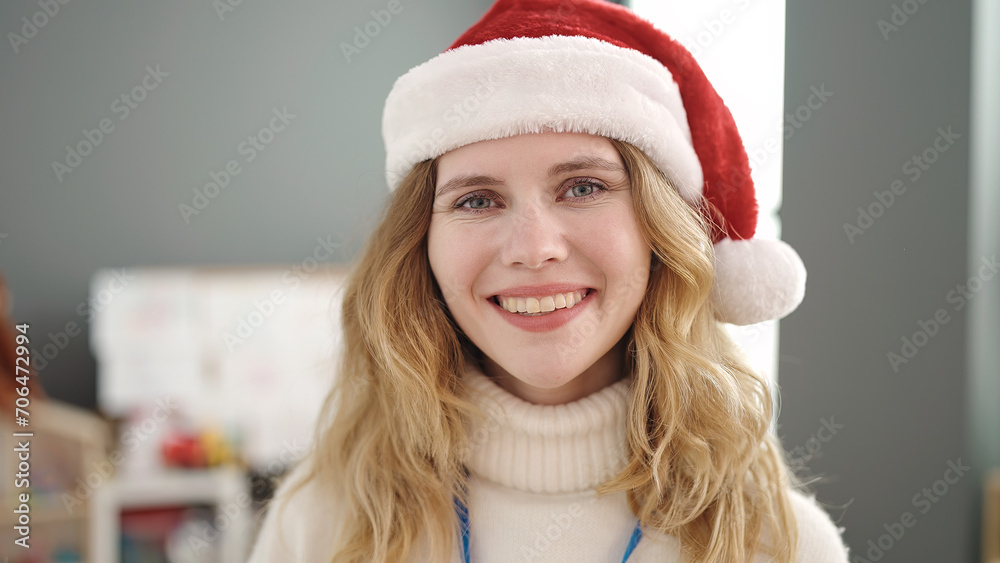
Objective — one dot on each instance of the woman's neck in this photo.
(551, 449)
(608, 369)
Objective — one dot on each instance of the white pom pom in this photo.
(757, 280)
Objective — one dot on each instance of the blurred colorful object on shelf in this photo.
(196, 449)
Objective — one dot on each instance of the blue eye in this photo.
(476, 202)
(584, 189)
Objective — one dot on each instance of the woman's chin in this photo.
(541, 382)
(540, 372)
(552, 376)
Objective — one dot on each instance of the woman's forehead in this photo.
(543, 153)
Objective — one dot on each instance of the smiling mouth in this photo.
(540, 306)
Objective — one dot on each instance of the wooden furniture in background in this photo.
(991, 518)
(67, 451)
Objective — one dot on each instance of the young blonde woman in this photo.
(535, 365)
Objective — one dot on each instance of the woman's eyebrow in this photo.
(585, 162)
(466, 180)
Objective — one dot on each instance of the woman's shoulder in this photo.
(299, 524)
(820, 539)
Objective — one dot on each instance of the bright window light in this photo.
(740, 45)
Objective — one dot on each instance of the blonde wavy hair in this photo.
(702, 464)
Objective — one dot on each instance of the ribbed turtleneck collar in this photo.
(547, 448)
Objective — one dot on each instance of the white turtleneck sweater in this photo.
(533, 472)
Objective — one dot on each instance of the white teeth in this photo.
(533, 305)
(511, 305)
(541, 305)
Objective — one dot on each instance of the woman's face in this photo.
(535, 246)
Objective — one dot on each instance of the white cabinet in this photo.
(221, 534)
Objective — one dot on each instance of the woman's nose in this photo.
(534, 238)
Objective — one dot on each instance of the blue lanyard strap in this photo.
(463, 518)
(633, 541)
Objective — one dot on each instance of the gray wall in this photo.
(900, 427)
(322, 176)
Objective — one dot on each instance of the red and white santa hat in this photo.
(589, 66)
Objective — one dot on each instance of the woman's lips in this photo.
(542, 321)
(540, 305)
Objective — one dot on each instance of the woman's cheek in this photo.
(448, 264)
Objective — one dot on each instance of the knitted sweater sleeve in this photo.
(298, 525)
(819, 537)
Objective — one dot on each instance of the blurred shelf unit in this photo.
(252, 351)
(67, 449)
(174, 515)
